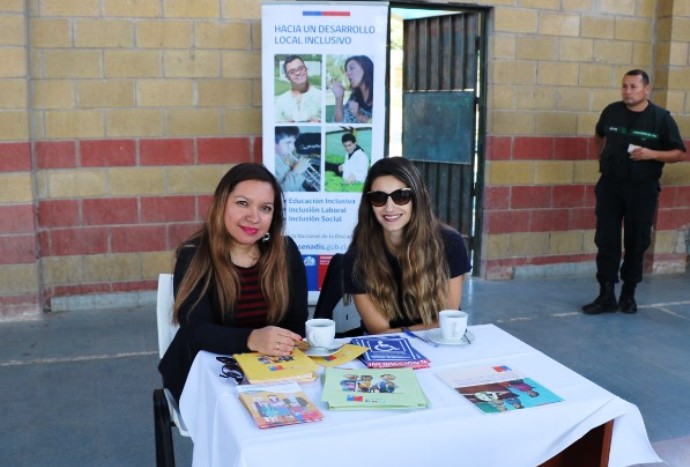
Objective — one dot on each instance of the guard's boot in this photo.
(605, 302)
(627, 303)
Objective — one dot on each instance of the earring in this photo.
(266, 237)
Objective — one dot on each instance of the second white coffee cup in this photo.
(453, 324)
(320, 332)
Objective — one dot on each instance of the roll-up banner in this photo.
(324, 67)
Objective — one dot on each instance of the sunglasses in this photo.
(231, 369)
(400, 197)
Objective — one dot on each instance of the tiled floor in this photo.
(76, 386)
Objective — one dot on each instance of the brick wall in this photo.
(110, 152)
(110, 211)
(19, 281)
(139, 109)
(117, 118)
(554, 65)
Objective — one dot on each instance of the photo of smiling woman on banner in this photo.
(351, 81)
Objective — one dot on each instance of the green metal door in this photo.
(440, 112)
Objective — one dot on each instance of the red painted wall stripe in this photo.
(108, 153)
(17, 249)
(16, 218)
(145, 152)
(223, 150)
(15, 157)
(56, 154)
(167, 152)
(565, 148)
(168, 209)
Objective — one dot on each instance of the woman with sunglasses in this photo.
(240, 284)
(403, 266)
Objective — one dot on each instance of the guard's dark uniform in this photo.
(627, 190)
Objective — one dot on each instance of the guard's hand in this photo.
(641, 154)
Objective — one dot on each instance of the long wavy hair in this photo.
(424, 288)
(367, 80)
(212, 262)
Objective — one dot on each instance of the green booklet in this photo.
(372, 388)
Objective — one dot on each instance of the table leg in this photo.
(592, 449)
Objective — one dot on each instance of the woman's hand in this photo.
(339, 93)
(273, 341)
(354, 108)
(338, 90)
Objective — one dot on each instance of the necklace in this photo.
(245, 259)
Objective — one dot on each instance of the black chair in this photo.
(165, 454)
(335, 305)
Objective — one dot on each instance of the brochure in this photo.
(278, 404)
(260, 368)
(390, 352)
(494, 389)
(345, 354)
(397, 388)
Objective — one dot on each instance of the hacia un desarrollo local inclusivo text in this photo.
(293, 34)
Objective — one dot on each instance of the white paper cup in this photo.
(453, 324)
(320, 332)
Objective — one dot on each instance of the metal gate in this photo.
(440, 112)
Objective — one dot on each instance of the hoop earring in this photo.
(266, 237)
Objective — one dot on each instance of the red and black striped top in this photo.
(251, 308)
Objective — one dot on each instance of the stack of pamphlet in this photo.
(395, 388)
(278, 404)
(259, 368)
(390, 352)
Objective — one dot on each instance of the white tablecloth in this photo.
(451, 432)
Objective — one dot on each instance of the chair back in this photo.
(333, 304)
(165, 299)
(164, 307)
(331, 288)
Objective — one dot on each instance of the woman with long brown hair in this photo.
(240, 284)
(359, 107)
(403, 266)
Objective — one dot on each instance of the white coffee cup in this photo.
(320, 332)
(453, 324)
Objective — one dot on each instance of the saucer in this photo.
(323, 352)
(435, 335)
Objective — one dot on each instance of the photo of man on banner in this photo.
(298, 158)
(297, 86)
(347, 158)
